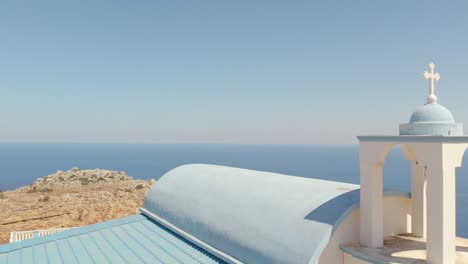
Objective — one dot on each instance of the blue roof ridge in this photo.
(167, 240)
(210, 249)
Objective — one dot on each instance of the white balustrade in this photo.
(23, 235)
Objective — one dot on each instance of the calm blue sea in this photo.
(21, 164)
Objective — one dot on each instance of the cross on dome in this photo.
(431, 76)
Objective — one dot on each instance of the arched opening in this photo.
(462, 197)
(397, 170)
(385, 212)
(397, 177)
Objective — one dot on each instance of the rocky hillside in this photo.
(70, 198)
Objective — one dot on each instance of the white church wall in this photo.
(396, 220)
(347, 232)
(397, 210)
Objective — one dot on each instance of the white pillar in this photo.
(440, 213)
(371, 204)
(418, 200)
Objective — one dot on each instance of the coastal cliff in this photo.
(69, 199)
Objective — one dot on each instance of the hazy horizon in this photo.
(217, 72)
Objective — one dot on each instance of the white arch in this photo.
(433, 160)
(372, 156)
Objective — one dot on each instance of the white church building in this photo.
(214, 214)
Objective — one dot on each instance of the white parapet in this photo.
(24, 235)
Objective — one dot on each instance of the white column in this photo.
(371, 204)
(440, 214)
(418, 200)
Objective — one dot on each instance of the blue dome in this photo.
(432, 113)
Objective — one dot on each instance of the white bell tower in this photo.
(435, 145)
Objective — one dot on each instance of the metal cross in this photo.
(431, 76)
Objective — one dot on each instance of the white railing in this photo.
(23, 235)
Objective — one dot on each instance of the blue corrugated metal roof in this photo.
(132, 239)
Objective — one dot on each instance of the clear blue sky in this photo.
(224, 71)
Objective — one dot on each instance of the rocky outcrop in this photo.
(70, 198)
(82, 178)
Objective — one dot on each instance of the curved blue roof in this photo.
(432, 120)
(432, 113)
(131, 239)
(253, 216)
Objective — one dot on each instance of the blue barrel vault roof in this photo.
(253, 216)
